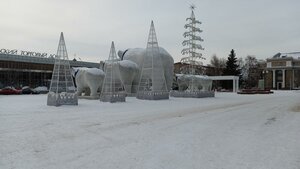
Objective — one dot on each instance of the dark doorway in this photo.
(278, 79)
(279, 85)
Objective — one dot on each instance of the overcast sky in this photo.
(251, 27)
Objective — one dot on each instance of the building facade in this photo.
(283, 71)
(19, 70)
(180, 67)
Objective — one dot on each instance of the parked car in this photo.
(28, 90)
(42, 89)
(9, 91)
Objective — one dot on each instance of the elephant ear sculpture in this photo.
(137, 55)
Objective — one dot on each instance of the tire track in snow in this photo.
(175, 114)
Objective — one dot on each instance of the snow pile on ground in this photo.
(229, 131)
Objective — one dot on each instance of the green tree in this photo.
(232, 68)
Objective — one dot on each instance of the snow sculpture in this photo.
(62, 90)
(89, 81)
(137, 56)
(201, 86)
(112, 90)
(190, 79)
(152, 84)
(128, 72)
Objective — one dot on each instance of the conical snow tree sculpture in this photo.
(192, 47)
(192, 44)
(192, 40)
(112, 89)
(152, 85)
(191, 72)
(62, 90)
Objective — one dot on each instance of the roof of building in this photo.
(43, 60)
(295, 55)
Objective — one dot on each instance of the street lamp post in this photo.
(264, 78)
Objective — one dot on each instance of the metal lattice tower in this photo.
(152, 85)
(112, 89)
(62, 90)
(192, 46)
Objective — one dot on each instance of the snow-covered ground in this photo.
(229, 131)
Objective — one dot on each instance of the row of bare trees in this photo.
(249, 69)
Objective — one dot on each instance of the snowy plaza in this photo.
(228, 131)
(150, 84)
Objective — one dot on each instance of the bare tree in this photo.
(218, 65)
(250, 72)
(214, 61)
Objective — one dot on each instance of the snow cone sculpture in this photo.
(62, 90)
(112, 89)
(152, 85)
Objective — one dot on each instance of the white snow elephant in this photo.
(128, 71)
(137, 55)
(88, 80)
(202, 83)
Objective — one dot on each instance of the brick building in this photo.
(200, 69)
(283, 71)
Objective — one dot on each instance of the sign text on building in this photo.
(25, 53)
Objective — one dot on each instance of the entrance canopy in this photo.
(235, 80)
